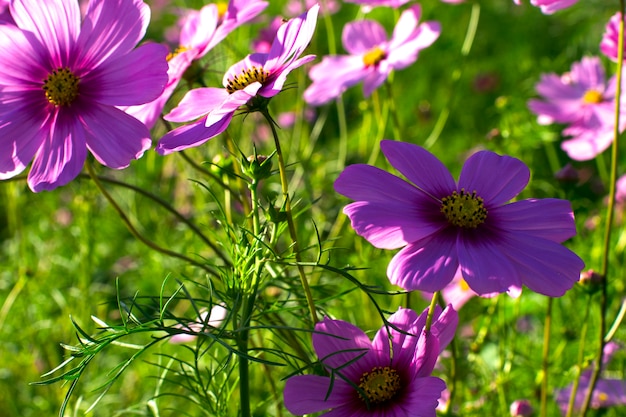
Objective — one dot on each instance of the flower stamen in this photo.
(374, 56)
(592, 97)
(175, 52)
(464, 209)
(379, 385)
(246, 78)
(61, 87)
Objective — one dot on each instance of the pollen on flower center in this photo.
(243, 80)
(176, 52)
(61, 87)
(379, 385)
(592, 97)
(464, 209)
(222, 8)
(374, 56)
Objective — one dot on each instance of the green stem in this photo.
(545, 361)
(579, 362)
(431, 312)
(609, 217)
(290, 223)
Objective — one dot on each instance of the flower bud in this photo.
(521, 408)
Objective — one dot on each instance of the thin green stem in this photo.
(579, 362)
(131, 228)
(545, 359)
(394, 111)
(609, 217)
(290, 223)
(431, 312)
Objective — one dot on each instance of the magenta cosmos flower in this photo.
(550, 6)
(389, 376)
(372, 57)
(583, 99)
(60, 86)
(376, 3)
(610, 39)
(200, 31)
(258, 76)
(443, 224)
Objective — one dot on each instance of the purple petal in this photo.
(405, 28)
(338, 344)
(545, 267)
(425, 355)
(404, 54)
(547, 218)
(138, 77)
(420, 397)
(305, 394)
(199, 28)
(111, 29)
(274, 84)
(61, 156)
(30, 69)
(485, 266)
(496, 179)
(444, 326)
(196, 103)
(375, 77)
(231, 103)
(426, 265)
(403, 344)
(332, 77)
(586, 144)
(420, 167)
(55, 23)
(191, 135)
(238, 13)
(114, 137)
(363, 35)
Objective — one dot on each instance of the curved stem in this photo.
(609, 216)
(135, 232)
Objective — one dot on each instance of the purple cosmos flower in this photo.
(385, 377)
(443, 224)
(200, 31)
(608, 392)
(372, 57)
(584, 100)
(258, 75)
(610, 39)
(550, 6)
(63, 81)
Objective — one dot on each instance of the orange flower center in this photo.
(592, 97)
(61, 87)
(374, 56)
(246, 78)
(379, 385)
(464, 209)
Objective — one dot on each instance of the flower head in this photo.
(372, 57)
(610, 39)
(583, 99)
(63, 82)
(383, 377)
(521, 408)
(260, 75)
(443, 224)
(200, 31)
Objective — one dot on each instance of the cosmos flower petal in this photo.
(403, 342)
(547, 218)
(421, 398)
(20, 73)
(485, 267)
(191, 135)
(20, 138)
(425, 354)
(115, 138)
(56, 26)
(420, 167)
(111, 28)
(238, 13)
(332, 77)
(231, 103)
(586, 144)
(338, 343)
(426, 265)
(360, 36)
(495, 178)
(136, 79)
(444, 326)
(199, 28)
(196, 103)
(405, 28)
(61, 156)
(545, 267)
(405, 54)
(275, 84)
(306, 394)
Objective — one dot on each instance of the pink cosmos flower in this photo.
(607, 393)
(200, 31)
(583, 99)
(372, 57)
(259, 76)
(63, 81)
(442, 223)
(297, 7)
(207, 321)
(610, 39)
(375, 3)
(550, 6)
(385, 377)
(620, 195)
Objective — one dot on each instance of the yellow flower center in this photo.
(61, 87)
(379, 385)
(592, 97)
(243, 80)
(222, 8)
(602, 397)
(464, 209)
(374, 56)
(176, 52)
(463, 285)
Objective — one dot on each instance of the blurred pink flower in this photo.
(442, 224)
(620, 196)
(200, 31)
(376, 3)
(63, 81)
(263, 42)
(521, 408)
(372, 57)
(257, 77)
(297, 7)
(550, 6)
(583, 99)
(207, 321)
(610, 39)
